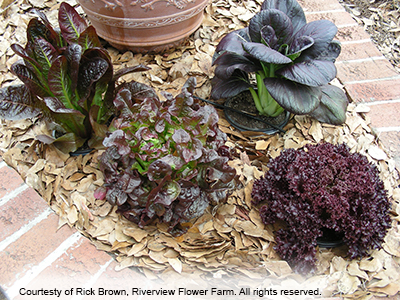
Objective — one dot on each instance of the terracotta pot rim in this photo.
(126, 22)
(177, 39)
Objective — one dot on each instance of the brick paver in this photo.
(24, 208)
(10, 180)
(35, 254)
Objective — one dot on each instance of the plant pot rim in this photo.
(81, 151)
(267, 130)
(333, 240)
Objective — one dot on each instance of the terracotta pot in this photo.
(144, 25)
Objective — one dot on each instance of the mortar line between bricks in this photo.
(388, 129)
(347, 25)
(382, 102)
(340, 10)
(15, 192)
(13, 291)
(397, 77)
(356, 42)
(24, 229)
(361, 60)
(94, 279)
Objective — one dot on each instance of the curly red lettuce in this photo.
(323, 188)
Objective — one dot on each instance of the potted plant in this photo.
(67, 78)
(145, 25)
(164, 161)
(284, 62)
(322, 189)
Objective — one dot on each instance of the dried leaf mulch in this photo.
(229, 241)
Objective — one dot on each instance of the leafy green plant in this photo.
(67, 78)
(290, 60)
(165, 160)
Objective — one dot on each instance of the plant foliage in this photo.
(67, 77)
(322, 188)
(164, 160)
(292, 60)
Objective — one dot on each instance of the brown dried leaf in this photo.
(391, 289)
(136, 248)
(104, 226)
(72, 215)
(135, 232)
(354, 270)
(249, 228)
(392, 243)
(279, 268)
(226, 209)
(262, 144)
(348, 284)
(316, 131)
(371, 265)
(377, 153)
(176, 264)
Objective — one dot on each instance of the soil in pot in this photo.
(245, 103)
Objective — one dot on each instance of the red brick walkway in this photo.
(34, 253)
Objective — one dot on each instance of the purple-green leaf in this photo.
(158, 170)
(312, 72)
(46, 54)
(322, 32)
(289, 7)
(90, 72)
(229, 62)
(71, 119)
(68, 142)
(73, 54)
(60, 83)
(274, 18)
(30, 79)
(300, 44)
(19, 50)
(268, 36)
(36, 29)
(71, 23)
(332, 108)
(232, 42)
(266, 54)
(89, 39)
(17, 102)
(296, 98)
(236, 84)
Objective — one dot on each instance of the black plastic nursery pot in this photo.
(3, 295)
(81, 151)
(245, 103)
(330, 239)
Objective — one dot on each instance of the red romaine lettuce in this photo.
(164, 160)
(68, 78)
(322, 188)
(292, 60)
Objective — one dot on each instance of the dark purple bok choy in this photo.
(67, 78)
(292, 62)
